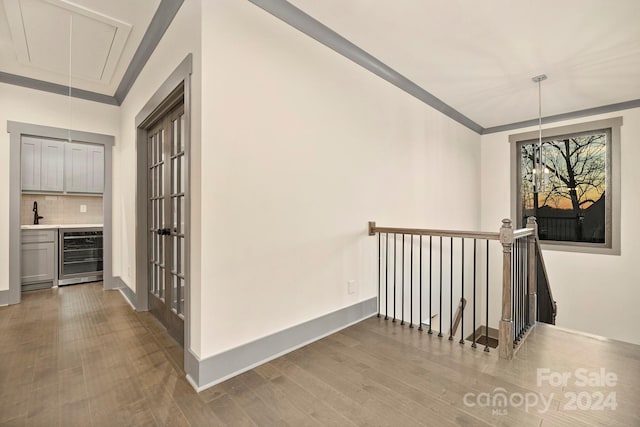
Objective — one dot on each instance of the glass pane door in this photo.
(166, 220)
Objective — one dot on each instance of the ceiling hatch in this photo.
(45, 32)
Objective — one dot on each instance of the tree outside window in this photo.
(569, 202)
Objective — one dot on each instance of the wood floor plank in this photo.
(274, 398)
(301, 396)
(229, 412)
(75, 414)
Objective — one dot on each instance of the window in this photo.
(573, 197)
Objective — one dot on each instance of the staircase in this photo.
(547, 307)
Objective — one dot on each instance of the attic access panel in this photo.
(41, 31)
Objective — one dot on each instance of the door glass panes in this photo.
(174, 266)
(174, 293)
(181, 293)
(166, 212)
(182, 217)
(152, 273)
(177, 214)
(174, 213)
(174, 172)
(181, 258)
(161, 282)
(181, 140)
(156, 216)
(160, 179)
(181, 188)
(175, 146)
(160, 146)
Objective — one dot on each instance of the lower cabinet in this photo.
(39, 255)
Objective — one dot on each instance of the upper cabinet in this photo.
(76, 171)
(84, 168)
(31, 158)
(42, 164)
(52, 166)
(95, 156)
(57, 166)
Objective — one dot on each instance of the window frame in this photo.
(612, 202)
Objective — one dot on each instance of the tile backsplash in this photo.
(59, 209)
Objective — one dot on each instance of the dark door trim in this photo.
(161, 101)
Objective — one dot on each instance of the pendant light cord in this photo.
(538, 175)
(70, 64)
(540, 124)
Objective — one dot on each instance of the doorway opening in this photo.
(47, 272)
(163, 205)
(166, 220)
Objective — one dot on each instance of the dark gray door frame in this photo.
(16, 130)
(157, 104)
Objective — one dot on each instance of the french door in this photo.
(166, 219)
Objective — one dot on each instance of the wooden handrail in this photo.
(523, 232)
(427, 232)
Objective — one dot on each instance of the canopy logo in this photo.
(500, 400)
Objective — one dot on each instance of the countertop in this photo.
(56, 226)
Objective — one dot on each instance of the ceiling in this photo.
(479, 56)
(95, 39)
(476, 58)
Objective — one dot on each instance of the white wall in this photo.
(598, 294)
(180, 39)
(47, 109)
(302, 148)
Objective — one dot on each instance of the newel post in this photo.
(505, 333)
(533, 280)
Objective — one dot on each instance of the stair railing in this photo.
(423, 276)
(518, 286)
(403, 284)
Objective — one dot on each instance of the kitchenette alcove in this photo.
(60, 208)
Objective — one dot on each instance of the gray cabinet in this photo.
(84, 168)
(42, 164)
(31, 155)
(95, 156)
(52, 166)
(39, 255)
(76, 168)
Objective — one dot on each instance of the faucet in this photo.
(36, 217)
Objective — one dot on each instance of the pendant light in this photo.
(540, 172)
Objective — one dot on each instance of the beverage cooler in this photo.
(80, 255)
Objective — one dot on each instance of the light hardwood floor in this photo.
(80, 356)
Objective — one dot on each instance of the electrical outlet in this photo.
(83, 208)
(351, 287)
